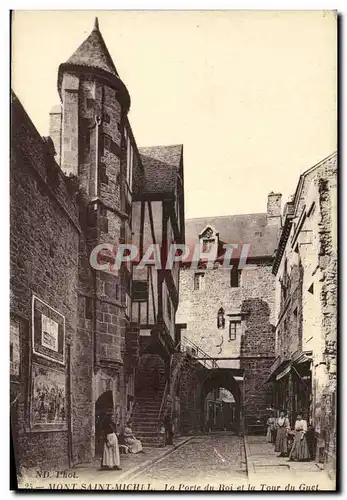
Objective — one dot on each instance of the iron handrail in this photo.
(198, 350)
(163, 400)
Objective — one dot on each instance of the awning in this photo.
(284, 372)
(303, 358)
(278, 370)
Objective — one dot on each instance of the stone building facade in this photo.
(230, 313)
(303, 375)
(83, 332)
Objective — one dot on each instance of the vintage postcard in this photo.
(173, 182)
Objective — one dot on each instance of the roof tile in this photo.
(94, 53)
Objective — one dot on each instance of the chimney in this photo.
(274, 201)
(55, 130)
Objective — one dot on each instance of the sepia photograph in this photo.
(173, 250)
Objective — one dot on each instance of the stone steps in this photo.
(148, 399)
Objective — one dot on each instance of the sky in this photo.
(251, 95)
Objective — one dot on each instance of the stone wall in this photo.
(310, 262)
(254, 298)
(44, 262)
(102, 322)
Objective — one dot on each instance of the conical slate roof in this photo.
(93, 53)
(92, 57)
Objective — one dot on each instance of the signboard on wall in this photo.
(47, 399)
(48, 331)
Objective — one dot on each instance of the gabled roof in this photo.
(170, 155)
(311, 170)
(294, 209)
(242, 229)
(161, 166)
(94, 53)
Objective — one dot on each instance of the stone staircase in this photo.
(149, 391)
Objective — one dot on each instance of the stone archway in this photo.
(103, 405)
(221, 378)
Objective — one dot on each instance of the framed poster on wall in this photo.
(48, 406)
(48, 331)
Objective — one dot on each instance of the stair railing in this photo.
(163, 402)
(196, 351)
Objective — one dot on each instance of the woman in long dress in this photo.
(300, 449)
(270, 429)
(283, 426)
(110, 458)
(134, 445)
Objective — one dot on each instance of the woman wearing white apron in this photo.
(300, 449)
(110, 458)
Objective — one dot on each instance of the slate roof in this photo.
(92, 56)
(242, 229)
(94, 53)
(161, 166)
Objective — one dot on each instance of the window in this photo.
(11, 351)
(234, 329)
(220, 318)
(235, 276)
(130, 161)
(311, 289)
(127, 306)
(107, 118)
(140, 291)
(89, 308)
(207, 246)
(90, 103)
(198, 281)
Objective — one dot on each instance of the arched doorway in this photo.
(104, 404)
(224, 416)
(221, 410)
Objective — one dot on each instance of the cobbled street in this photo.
(214, 459)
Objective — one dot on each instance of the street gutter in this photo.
(135, 471)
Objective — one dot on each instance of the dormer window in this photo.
(208, 241)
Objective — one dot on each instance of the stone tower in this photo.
(95, 103)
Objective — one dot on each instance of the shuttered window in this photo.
(140, 291)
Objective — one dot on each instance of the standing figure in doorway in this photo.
(110, 458)
(270, 429)
(300, 451)
(168, 429)
(283, 427)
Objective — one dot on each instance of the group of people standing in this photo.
(113, 439)
(288, 443)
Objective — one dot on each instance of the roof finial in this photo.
(96, 24)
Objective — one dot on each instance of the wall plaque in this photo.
(48, 331)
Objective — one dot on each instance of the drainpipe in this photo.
(98, 122)
(97, 126)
